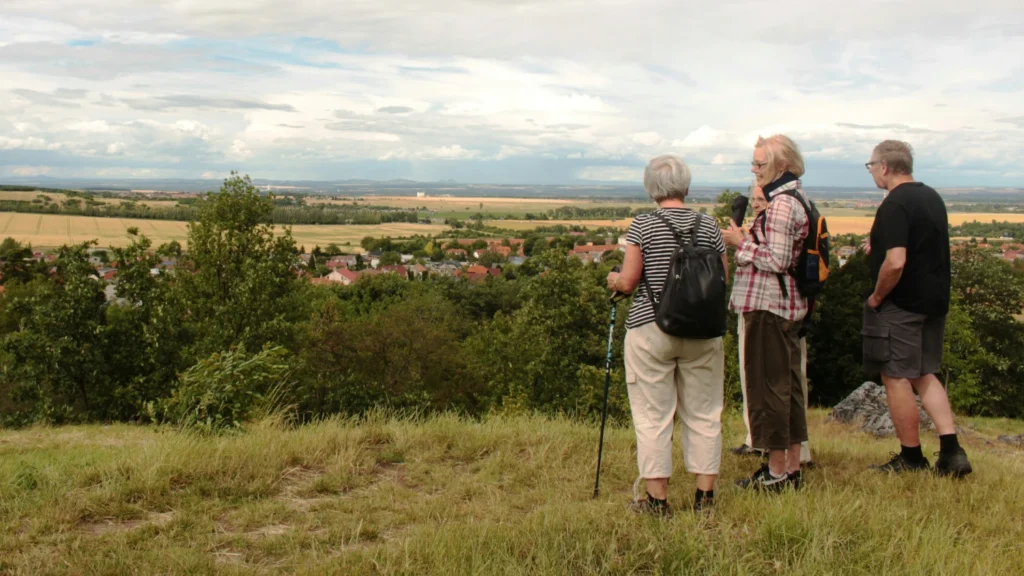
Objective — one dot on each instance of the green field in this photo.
(445, 495)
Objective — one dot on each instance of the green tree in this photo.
(723, 210)
(489, 259)
(242, 288)
(390, 258)
(54, 364)
(834, 366)
(537, 357)
(16, 264)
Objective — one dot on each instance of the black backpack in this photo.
(811, 269)
(693, 298)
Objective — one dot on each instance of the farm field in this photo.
(51, 230)
(60, 198)
(463, 207)
(842, 221)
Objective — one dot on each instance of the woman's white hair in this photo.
(667, 177)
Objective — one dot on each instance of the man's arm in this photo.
(889, 275)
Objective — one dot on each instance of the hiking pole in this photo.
(614, 299)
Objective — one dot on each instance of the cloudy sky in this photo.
(543, 91)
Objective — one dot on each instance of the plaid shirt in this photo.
(756, 284)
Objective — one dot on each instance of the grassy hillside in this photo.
(507, 496)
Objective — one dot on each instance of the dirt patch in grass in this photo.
(108, 525)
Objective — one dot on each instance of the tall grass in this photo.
(446, 495)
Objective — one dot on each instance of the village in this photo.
(460, 262)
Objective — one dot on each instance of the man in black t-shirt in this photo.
(905, 316)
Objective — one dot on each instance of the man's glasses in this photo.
(868, 165)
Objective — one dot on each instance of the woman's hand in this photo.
(613, 277)
(734, 236)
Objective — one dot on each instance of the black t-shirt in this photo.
(913, 216)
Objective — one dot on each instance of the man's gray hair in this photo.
(898, 156)
(667, 177)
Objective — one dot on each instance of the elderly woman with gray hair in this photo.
(667, 375)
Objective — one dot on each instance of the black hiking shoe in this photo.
(744, 450)
(899, 464)
(651, 507)
(703, 504)
(763, 481)
(795, 479)
(954, 464)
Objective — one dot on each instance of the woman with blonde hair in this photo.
(758, 202)
(772, 308)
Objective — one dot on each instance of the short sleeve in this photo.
(713, 233)
(894, 224)
(634, 236)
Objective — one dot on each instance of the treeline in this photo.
(282, 213)
(989, 230)
(237, 331)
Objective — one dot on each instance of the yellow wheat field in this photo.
(837, 224)
(50, 230)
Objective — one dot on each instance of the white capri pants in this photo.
(668, 376)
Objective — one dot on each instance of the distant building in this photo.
(591, 252)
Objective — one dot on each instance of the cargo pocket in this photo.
(876, 344)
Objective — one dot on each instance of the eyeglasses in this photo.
(868, 165)
(758, 165)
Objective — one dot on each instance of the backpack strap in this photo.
(681, 239)
(778, 275)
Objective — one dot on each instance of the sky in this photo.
(503, 91)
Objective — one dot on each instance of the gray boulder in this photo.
(1017, 440)
(866, 405)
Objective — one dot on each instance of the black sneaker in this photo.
(954, 464)
(704, 504)
(900, 464)
(763, 481)
(651, 507)
(744, 450)
(795, 479)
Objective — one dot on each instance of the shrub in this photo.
(229, 388)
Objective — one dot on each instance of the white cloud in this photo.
(175, 85)
(28, 170)
(647, 138)
(30, 143)
(702, 137)
(240, 150)
(511, 151)
(454, 152)
(612, 173)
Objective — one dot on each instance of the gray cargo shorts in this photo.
(902, 344)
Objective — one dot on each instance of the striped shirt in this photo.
(658, 243)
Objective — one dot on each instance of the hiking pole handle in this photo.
(617, 296)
